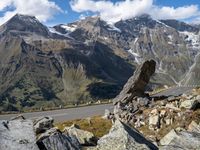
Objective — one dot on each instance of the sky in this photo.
(52, 12)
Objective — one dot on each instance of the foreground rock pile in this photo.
(20, 134)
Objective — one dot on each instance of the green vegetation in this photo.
(75, 84)
(97, 125)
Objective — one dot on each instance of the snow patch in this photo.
(193, 38)
(162, 23)
(136, 55)
(170, 37)
(113, 28)
(52, 30)
(71, 28)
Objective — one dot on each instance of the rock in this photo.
(42, 124)
(106, 114)
(171, 106)
(192, 104)
(154, 122)
(163, 113)
(137, 83)
(179, 129)
(168, 138)
(181, 140)
(170, 147)
(154, 112)
(53, 139)
(168, 121)
(17, 135)
(198, 97)
(143, 101)
(194, 127)
(84, 137)
(171, 98)
(123, 137)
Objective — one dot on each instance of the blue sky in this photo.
(52, 12)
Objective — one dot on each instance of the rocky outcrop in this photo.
(136, 85)
(17, 135)
(42, 124)
(53, 139)
(84, 137)
(180, 140)
(123, 137)
(133, 95)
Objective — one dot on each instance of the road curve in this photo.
(174, 91)
(66, 114)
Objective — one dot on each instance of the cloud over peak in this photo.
(41, 9)
(126, 9)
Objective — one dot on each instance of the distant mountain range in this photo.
(90, 59)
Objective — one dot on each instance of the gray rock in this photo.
(137, 83)
(154, 121)
(168, 138)
(192, 104)
(42, 124)
(142, 101)
(54, 140)
(171, 98)
(123, 137)
(194, 127)
(17, 135)
(84, 137)
(181, 140)
(107, 114)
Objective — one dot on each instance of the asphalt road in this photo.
(174, 91)
(66, 114)
(89, 111)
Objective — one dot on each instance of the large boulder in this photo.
(180, 140)
(42, 124)
(137, 83)
(84, 137)
(53, 139)
(123, 137)
(17, 135)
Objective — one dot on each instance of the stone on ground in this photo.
(17, 135)
(42, 124)
(55, 140)
(181, 140)
(123, 137)
(84, 137)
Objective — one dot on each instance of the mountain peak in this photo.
(25, 24)
(145, 16)
(27, 19)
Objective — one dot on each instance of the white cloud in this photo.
(42, 9)
(196, 20)
(175, 13)
(126, 9)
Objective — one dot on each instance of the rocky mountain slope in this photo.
(90, 59)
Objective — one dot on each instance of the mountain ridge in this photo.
(90, 59)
